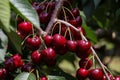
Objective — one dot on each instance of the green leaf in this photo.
(90, 33)
(98, 22)
(25, 76)
(26, 11)
(15, 40)
(3, 45)
(5, 14)
(56, 78)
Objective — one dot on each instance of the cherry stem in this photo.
(58, 6)
(93, 51)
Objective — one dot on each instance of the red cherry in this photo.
(83, 45)
(85, 63)
(44, 17)
(17, 61)
(74, 22)
(95, 74)
(79, 20)
(48, 40)
(25, 28)
(36, 57)
(61, 50)
(51, 63)
(71, 45)
(27, 67)
(48, 54)
(58, 41)
(43, 78)
(82, 74)
(3, 73)
(33, 43)
(9, 64)
(51, 6)
(75, 12)
(83, 54)
(38, 8)
(117, 78)
(109, 75)
(77, 35)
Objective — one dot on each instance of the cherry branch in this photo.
(93, 51)
(54, 15)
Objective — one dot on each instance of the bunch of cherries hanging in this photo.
(60, 40)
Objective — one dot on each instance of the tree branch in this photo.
(58, 6)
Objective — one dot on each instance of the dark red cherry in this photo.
(51, 6)
(61, 50)
(48, 54)
(9, 64)
(74, 22)
(58, 41)
(83, 54)
(3, 73)
(83, 45)
(117, 78)
(79, 20)
(51, 63)
(33, 43)
(109, 75)
(82, 74)
(95, 74)
(27, 67)
(25, 28)
(17, 59)
(43, 78)
(36, 57)
(71, 45)
(75, 12)
(38, 8)
(44, 17)
(77, 35)
(85, 63)
(48, 40)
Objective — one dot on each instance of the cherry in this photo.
(38, 8)
(33, 43)
(77, 35)
(59, 40)
(43, 78)
(27, 67)
(14, 62)
(79, 20)
(48, 40)
(3, 73)
(82, 74)
(44, 17)
(83, 54)
(36, 57)
(51, 6)
(74, 22)
(17, 60)
(49, 54)
(75, 12)
(85, 63)
(109, 75)
(61, 50)
(25, 28)
(9, 65)
(83, 45)
(95, 74)
(117, 78)
(71, 45)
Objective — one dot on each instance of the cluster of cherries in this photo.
(62, 39)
